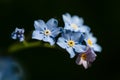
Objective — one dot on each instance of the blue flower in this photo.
(91, 42)
(46, 31)
(86, 58)
(74, 23)
(72, 42)
(18, 34)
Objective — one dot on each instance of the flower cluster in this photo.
(18, 34)
(74, 37)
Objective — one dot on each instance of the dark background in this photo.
(42, 63)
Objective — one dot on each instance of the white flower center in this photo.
(71, 43)
(89, 42)
(47, 32)
(74, 26)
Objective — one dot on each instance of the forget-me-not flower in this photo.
(91, 42)
(18, 34)
(86, 58)
(46, 31)
(74, 23)
(71, 41)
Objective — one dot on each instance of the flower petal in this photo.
(40, 25)
(55, 32)
(14, 36)
(61, 42)
(19, 30)
(22, 30)
(92, 38)
(21, 39)
(68, 27)
(97, 48)
(66, 34)
(16, 29)
(52, 23)
(77, 36)
(79, 48)
(78, 59)
(84, 29)
(85, 64)
(49, 39)
(91, 56)
(67, 18)
(77, 20)
(36, 35)
(71, 52)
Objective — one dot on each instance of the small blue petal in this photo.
(21, 39)
(66, 34)
(49, 39)
(84, 29)
(52, 23)
(36, 35)
(67, 18)
(55, 32)
(61, 42)
(77, 20)
(79, 48)
(76, 36)
(92, 38)
(14, 36)
(71, 52)
(40, 25)
(97, 48)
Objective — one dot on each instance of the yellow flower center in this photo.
(83, 56)
(89, 42)
(74, 26)
(71, 43)
(47, 32)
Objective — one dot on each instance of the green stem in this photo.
(20, 46)
(24, 45)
